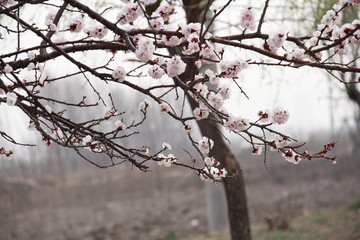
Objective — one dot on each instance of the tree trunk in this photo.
(234, 186)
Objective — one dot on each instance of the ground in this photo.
(37, 202)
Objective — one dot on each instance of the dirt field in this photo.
(42, 202)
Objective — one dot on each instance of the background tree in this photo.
(163, 48)
(350, 87)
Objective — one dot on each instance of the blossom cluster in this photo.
(329, 27)
(210, 172)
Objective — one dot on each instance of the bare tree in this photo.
(127, 39)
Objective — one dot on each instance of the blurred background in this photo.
(51, 193)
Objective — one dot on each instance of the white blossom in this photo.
(156, 71)
(207, 53)
(6, 2)
(166, 145)
(31, 56)
(11, 98)
(144, 105)
(8, 68)
(109, 113)
(204, 176)
(212, 77)
(276, 40)
(197, 64)
(129, 13)
(164, 108)
(159, 60)
(31, 66)
(330, 18)
(296, 54)
(214, 172)
(156, 21)
(201, 89)
(76, 24)
(171, 41)
(279, 115)
(49, 19)
(190, 28)
(119, 74)
(232, 68)
(257, 151)
(166, 161)
(201, 112)
(99, 32)
(225, 92)
(188, 128)
(145, 49)
(247, 18)
(175, 66)
(209, 161)
(237, 123)
(120, 125)
(281, 141)
(215, 100)
(86, 140)
(165, 11)
(343, 48)
(205, 144)
(264, 115)
(193, 44)
(291, 156)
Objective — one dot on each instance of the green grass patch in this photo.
(342, 223)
